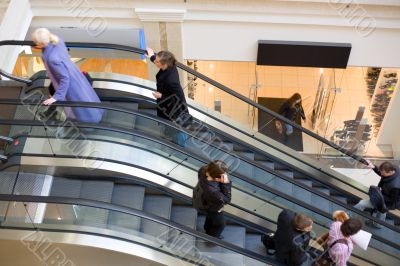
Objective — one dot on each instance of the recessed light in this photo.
(211, 65)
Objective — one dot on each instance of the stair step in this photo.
(323, 190)
(120, 118)
(268, 164)
(160, 206)
(186, 216)
(7, 180)
(304, 181)
(65, 187)
(99, 191)
(253, 243)
(287, 173)
(127, 196)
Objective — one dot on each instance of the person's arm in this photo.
(303, 116)
(150, 54)
(282, 109)
(61, 74)
(226, 187)
(298, 255)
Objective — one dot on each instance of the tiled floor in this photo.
(282, 82)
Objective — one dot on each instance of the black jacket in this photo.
(215, 194)
(290, 244)
(390, 187)
(290, 112)
(172, 103)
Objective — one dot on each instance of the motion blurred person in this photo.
(68, 81)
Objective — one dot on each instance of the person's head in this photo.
(302, 223)
(42, 37)
(350, 227)
(216, 169)
(294, 99)
(387, 169)
(164, 59)
(340, 216)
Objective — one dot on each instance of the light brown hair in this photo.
(216, 168)
(166, 58)
(301, 221)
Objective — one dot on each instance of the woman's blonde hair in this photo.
(43, 35)
(340, 216)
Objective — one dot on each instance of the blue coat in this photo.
(70, 84)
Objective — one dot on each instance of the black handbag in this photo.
(269, 243)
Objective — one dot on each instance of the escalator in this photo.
(268, 172)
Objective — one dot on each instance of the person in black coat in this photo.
(170, 97)
(390, 188)
(292, 238)
(171, 102)
(289, 110)
(216, 192)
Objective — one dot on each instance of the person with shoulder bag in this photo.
(210, 195)
(385, 196)
(340, 245)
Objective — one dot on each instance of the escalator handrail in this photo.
(169, 124)
(207, 79)
(246, 179)
(13, 77)
(137, 213)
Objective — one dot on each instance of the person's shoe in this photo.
(220, 237)
(373, 224)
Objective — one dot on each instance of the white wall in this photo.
(238, 41)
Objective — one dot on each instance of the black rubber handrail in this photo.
(13, 77)
(137, 213)
(207, 79)
(246, 179)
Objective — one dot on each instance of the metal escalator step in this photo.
(160, 206)
(233, 234)
(287, 173)
(253, 243)
(186, 216)
(120, 118)
(268, 164)
(7, 180)
(323, 190)
(183, 215)
(65, 187)
(340, 198)
(99, 191)
(127, 196)
(304, 181)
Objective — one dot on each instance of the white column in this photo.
(15, 25)
(163, 30)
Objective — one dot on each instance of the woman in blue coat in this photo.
(67, 79)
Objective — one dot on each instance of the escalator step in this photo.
(99, 191)
(267, 164)
(287, 173)
(160, 206)
(128, 196)
(65, 187)
(7, 180)
(186, 216)
(253, 243)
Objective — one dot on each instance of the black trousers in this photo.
(215, 223)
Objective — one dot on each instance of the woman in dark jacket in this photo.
(216, 192)
(171, 102)
(290, 109)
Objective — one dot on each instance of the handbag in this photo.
(324, 259)
(377, 199)
(269, 243)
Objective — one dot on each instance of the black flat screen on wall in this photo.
(303, 54)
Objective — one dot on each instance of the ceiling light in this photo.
(211, 65)
(210, 89)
